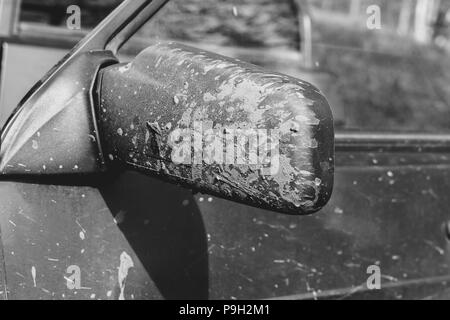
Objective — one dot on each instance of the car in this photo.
(89, 211)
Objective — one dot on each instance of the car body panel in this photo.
(49, 231)
(136, 237)
(199, 246)
(386, 215)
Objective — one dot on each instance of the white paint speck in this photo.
(235, 11)
(82, 235)
(125, 68)
(338, 210)
(53, 259)
(33, 275)
(125, 264)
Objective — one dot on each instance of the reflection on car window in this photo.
(389, 63)
(257, 31)
(383, 64)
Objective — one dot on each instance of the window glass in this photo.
(389, 62)
(383, 64)
(263, 32)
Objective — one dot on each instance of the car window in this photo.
(389, 61)
(383, 65)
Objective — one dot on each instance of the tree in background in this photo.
(425, 14)
(404, 20)
(304, 35)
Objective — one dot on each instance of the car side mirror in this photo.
(190, 117)
(219, 126)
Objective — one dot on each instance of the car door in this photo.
(132, 236)
(391, 157)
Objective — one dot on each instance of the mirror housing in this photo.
(219, 126)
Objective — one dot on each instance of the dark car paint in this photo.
(54, 132)
(387, 209)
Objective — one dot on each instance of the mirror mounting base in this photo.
(54, 132)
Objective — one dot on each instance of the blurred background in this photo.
(393, 76)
